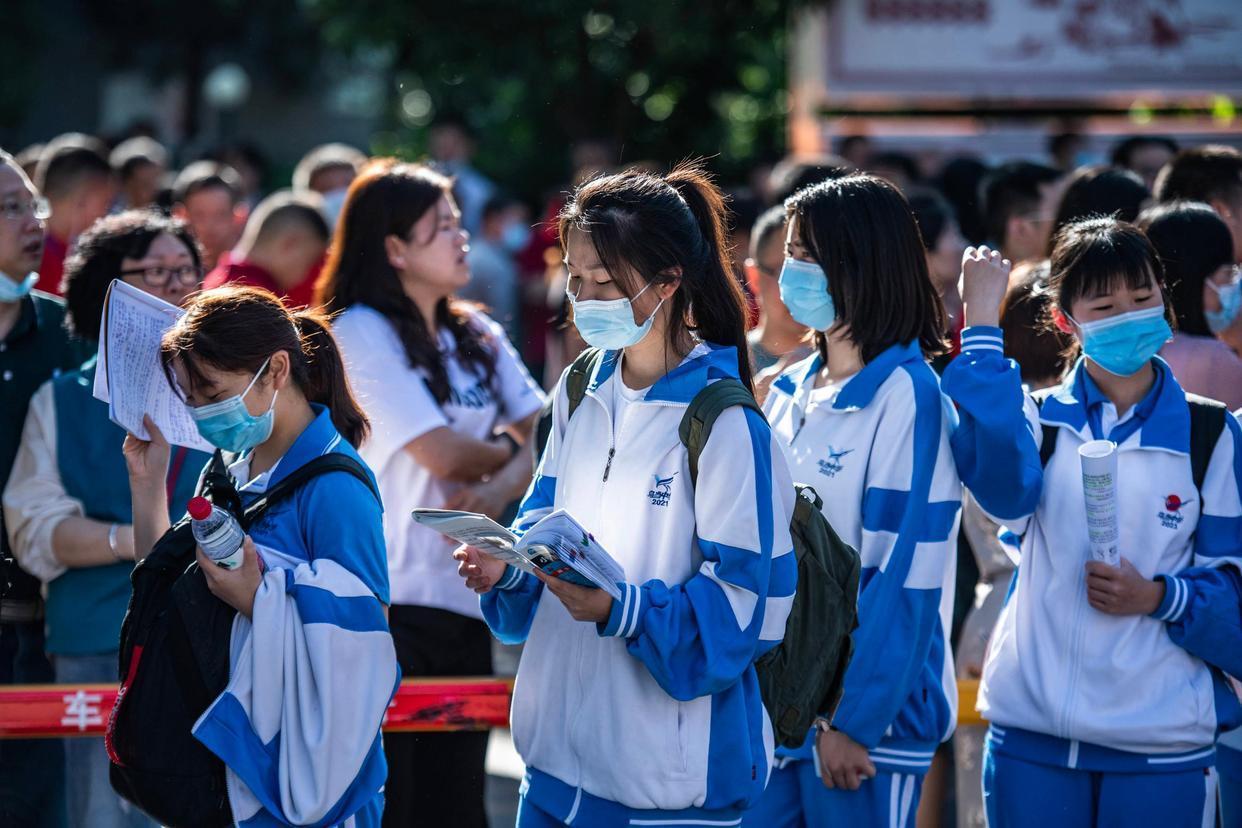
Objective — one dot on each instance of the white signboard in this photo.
(1033, 48)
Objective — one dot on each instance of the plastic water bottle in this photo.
(217, 532)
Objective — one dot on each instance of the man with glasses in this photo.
(67, 504)
(33, 347)
(1020, 202)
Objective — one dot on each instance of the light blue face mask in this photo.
(228, 425)
(515, 237)
(12, 290)
(804, 290)
(610, 324)
(1123, 344)
(1230, 305)
(333, 203)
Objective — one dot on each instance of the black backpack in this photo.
(1207, 422)
(803, 677)
(174, 662)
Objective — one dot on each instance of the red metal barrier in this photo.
(51, 710)
(54, 711)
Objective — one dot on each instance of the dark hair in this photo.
(1202, 174)
(132, 154)
(932, 213)
(1095, 256)
(323, 158)
(237, 329)
(1100, 192)
(904, 162)
(1039, 348)
(861, 231)
(648, 226)
(96, 261)
(1011, 189)
(1123, 152)
(959, 181)
(206, 175)
(769, 223)
(388, 199)
(1061, 141)
(70, 161)
(284, 209)
(1192, 242)
(498, 204)
(792, 175)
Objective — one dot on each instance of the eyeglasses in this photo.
(14, 209)
(159, 276)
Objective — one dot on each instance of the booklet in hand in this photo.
(129, 376)
(557, 545)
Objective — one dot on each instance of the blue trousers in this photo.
(1021, 794)
(1229, 764)
(796, 798)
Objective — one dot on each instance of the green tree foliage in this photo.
(659, 80)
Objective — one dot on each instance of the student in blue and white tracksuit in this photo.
(1101, 683)
(651, 715)
(865, 425)
(312, 667)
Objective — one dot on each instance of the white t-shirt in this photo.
(401, 407)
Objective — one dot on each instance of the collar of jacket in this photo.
(1165, 412)
(858, 393)
(706, 362)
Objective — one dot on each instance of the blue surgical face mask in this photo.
(333, 203)
(804, 290)
(515, 237)
(610, 324)
(229, 425)
(1123, 344)
(12, 290)
(1230, 305)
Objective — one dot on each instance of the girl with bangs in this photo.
(864, 423)
(1103, 685)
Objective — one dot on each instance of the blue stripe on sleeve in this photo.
(319, 606)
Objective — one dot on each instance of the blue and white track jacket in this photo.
(877, 452)
(1065, 684)
(659, 708)
(298, 726)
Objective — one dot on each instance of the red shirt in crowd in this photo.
(247, 273)
(52, 268)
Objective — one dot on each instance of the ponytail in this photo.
(325, 379)
(237, 329)
(658, 228)
(714, 295)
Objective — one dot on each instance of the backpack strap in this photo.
(320, 465)
(1207, 422)
(580, 373)
(707, 405)
(1048, 444)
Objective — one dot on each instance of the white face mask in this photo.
(610, 324)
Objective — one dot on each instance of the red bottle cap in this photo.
(199, 508)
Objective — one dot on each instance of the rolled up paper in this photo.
(1099, 488)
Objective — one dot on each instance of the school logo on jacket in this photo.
(1171, 516)
(832, 465)
(662, 491)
